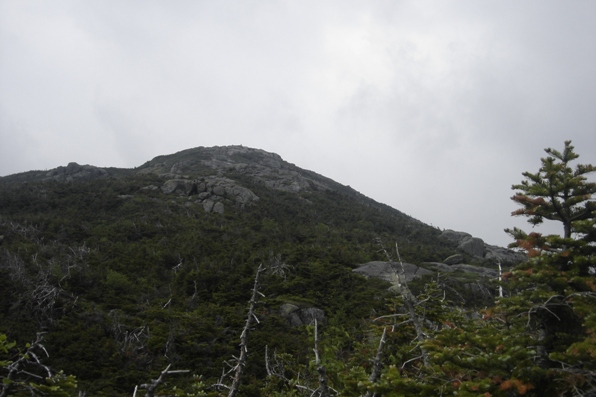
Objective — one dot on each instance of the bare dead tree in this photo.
(276, 370)
(14, 266)
(277, 266)
(500, 280)
(36, 289)
(128, 339)
(152, 386)
(377, 364)
(19, 366)
(240, 361)
(38, 282)
(272, 371)
(26, 369)
(27, 231)
(323, 390)
(410, 302)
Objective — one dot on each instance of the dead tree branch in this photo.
(240, 361)
(154, 383)
(377, 364)
(323, 386)
(410, 301)
(23, 367)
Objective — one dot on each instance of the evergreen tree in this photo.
(556, 192)
(539, 339)
(559, 193)
(555, 291)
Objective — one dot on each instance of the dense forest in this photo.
(230, 272)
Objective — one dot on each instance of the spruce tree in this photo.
(556, 192)
(540, 339)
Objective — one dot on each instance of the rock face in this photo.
(462, 267)
(473, 246)
(215, 191)
(457, 274)
(211, 192)
(297, 316)
(454, 236)
(476, 247)
(180, 186)
(503, 255)
(75, 171)
(465, 242)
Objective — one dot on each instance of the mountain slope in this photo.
(133, 269)
(255, 165)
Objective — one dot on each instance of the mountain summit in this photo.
(260, 166)
(133, 270)
(221, 176)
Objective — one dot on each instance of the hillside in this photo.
(129, 270)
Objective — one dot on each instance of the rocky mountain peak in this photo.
(261, 167)
(220, 176)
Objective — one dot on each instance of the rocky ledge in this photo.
(210, 192)
(387, 270)
(74, 171)
(477, 248)
(476, 280)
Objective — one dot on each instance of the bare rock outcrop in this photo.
(211, 192)
(503, 255)
(297, 316)
(74, 171)
(261, 167)
(462, 267)
(475, 279)
(473, 246)
(180, 186)
(476, 247)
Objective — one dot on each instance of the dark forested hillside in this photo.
(129, 271)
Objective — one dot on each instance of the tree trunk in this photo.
(377, 365)
(244, 337)
(410, 302)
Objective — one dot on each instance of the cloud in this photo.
(434, 108)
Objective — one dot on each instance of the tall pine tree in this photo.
(556, 192)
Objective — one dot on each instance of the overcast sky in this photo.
(432, 107)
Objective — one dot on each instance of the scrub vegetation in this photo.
(110, 289)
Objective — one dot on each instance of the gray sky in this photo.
(432, 107)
